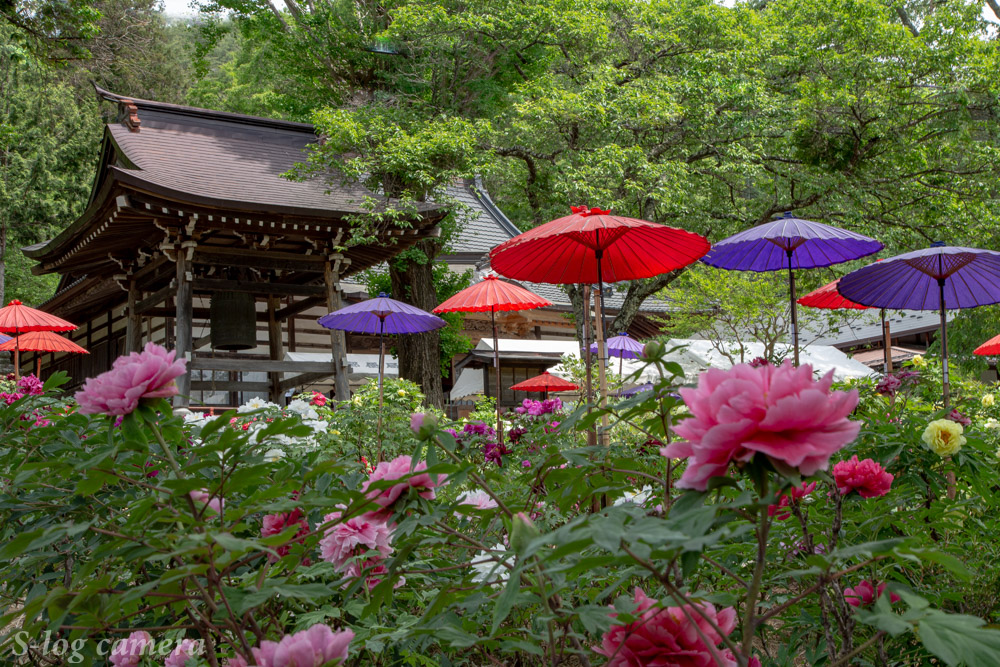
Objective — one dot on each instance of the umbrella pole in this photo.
(886, 343)
(38, 366)
(17, 360)
(795, 312)
(602, 374)
(381, 383)
(588, 359)
(944, 348)
(496, 368)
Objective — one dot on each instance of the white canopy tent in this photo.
(694, 356)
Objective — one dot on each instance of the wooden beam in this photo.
(299, 306)
(275, 349)
(342, 387)
(261, 259)
(276, 289)
(302, 380)
(184, 326)
(156, 298)
(219, 364)
(133, 327)
(229, 385)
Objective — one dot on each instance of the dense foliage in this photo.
(232, 535)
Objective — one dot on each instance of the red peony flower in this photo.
(318, 399)
(777, 411)
(669, 636)
(865, 594)
(780, 510)
(866, 477)
(274, 524)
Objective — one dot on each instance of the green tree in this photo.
(47, 140)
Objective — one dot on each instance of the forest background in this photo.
(876, 115)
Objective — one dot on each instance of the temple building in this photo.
(195, 238)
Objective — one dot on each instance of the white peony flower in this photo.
(639, 497)
(273, 455)
(991, 423)
(255, 403)
(478, 499)
(491, 567)
(305, 410)
(317, 425)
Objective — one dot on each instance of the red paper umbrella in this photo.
(41, 341)
(595, 247)
(545, 382)
(828, 297)
(17, 318)
(989, 348)
(491, 295)
(592, 246)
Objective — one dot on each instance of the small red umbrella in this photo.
(545, 382)
(829, 298)
(592, 246)
(989, 348)
(17, 318)
(492, 295)
(41, 341)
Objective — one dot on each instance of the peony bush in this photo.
(760, 516)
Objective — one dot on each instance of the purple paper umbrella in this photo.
(935, 278)
(789, 243)
(381, 316)
(622, 346)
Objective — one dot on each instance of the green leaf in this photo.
(506, 600)
(959, 639)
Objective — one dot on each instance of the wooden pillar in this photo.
(341, 383)
(183, 324)
(133, 325)
(275, 347)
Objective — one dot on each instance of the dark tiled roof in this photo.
(867, 327)
(485, 227)
(239, 160)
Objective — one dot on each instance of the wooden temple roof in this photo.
(219, 177)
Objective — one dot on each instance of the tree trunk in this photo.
(3, 264)
(419, 354)
(638, 292)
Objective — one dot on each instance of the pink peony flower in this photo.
(777, 411)
(187, 649)
(129, 651)
(669, 636)
(275, 524)
(478, 499)
(203, 497)
(866, 477)
(888, 385)
(314, 647)
(958, 417)
(400, 469)
(236, 661)
(318, 399)
(362, 535)
(146, 374)
(780, 510)
(865, 594)
(31, 385)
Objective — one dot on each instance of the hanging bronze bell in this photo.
(233, 324)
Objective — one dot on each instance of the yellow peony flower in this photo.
(989, 400)
(944, 437)
(335, 432)
(918, 361)
(401, 392)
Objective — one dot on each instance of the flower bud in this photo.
(653, 350)
(424, 424)
(523, 531)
